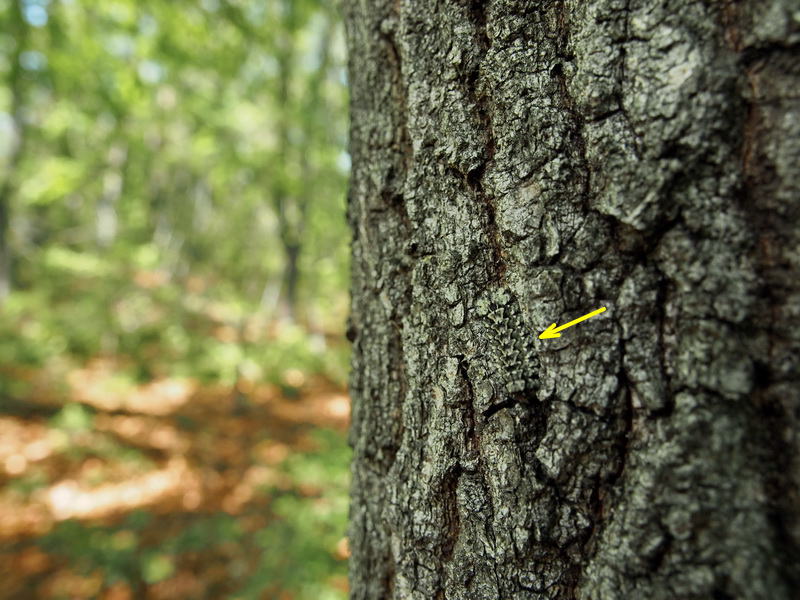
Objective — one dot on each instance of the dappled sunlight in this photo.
(18, 518)
(72, 585)
(94, 385)
(190, 476)
(69, 499)
(330, 409)
(22, 443)
(170, 448)
(144, 430)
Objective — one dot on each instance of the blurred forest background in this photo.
(173, 291)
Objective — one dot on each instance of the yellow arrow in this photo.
(552, 331)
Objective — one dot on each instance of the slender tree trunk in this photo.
(9, 184)
(285, 204)
(106, 221)
(5, 249)
(291, 277)
(521, 163)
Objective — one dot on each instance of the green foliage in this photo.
(113, 550)
(171, 147)
(297, 550)
(73, 418)
(121, 553)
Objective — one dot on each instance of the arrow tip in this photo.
(549, 333)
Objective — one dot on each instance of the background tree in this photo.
(518, 163)
(16, 89)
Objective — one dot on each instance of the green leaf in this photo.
(157, 567)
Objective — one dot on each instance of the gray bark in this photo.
(519, 163)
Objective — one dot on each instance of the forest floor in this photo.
(171, 489)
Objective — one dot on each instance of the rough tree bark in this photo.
(517, 163)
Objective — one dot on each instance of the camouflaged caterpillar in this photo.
(510, 352)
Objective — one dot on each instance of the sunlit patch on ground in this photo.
(179, 453)
(95, 386)
(70, 499)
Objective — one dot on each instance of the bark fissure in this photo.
(481, 104)
(776, 287)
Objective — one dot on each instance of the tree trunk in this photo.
(106, 220)
(521, 163)
(8, 187)
(291, 277)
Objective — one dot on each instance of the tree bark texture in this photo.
(517, 163)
